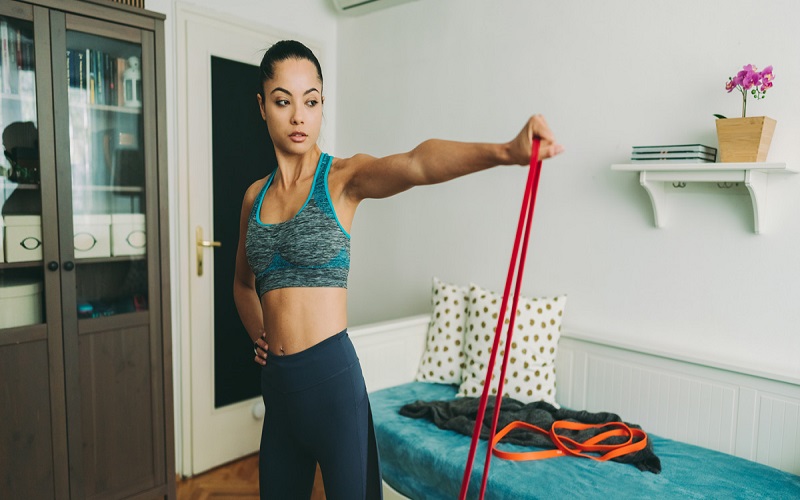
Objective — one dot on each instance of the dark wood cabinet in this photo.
(85, 349)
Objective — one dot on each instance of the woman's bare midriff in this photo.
(298, 318)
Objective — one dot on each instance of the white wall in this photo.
(607, 75)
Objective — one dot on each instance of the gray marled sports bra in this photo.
(311, 249)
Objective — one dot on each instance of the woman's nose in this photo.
(297, 116)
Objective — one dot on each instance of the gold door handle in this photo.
(201, 244)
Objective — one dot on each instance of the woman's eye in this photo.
(311, 103)
(282, 102)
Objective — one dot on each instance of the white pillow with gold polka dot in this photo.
(444, 356)
(531, 373)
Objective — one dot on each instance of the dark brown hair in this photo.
(281, 51)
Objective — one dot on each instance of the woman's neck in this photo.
(294, 169)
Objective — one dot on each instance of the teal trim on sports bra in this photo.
(328, 194)
(310, 194)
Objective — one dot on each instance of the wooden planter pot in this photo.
(745, 139)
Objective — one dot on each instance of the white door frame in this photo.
(200, 34)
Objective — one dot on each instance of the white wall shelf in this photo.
(656, 177)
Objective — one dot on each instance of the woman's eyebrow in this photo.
(281, 89)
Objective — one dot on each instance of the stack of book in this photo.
(16, 59)
(678, 153)
(99, 73)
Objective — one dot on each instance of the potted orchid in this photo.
(746, 139)
(750, 81)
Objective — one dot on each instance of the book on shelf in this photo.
(676, 148)
(676, 159)
(5, 58)
(118, 78)
(91, 77)
(666, 156)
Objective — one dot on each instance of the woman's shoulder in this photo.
(252, 192)
(350, 164)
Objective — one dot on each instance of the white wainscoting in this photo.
(748, 415)
(390, 351)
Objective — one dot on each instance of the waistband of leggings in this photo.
(305, 368)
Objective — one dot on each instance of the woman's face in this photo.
(292, 106)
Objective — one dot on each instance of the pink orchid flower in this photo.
(749, 80)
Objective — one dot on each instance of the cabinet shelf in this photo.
(115, 109)
(106, 260)
(81, 99)
(113, 322)
(7, 184)
(5, 96)
(20, 265)
(96, 260)
(110, 189)
(655, 177)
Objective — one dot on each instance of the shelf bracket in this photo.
(654, 178)
(756, 183)
(658, 198)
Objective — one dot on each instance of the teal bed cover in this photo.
(421, 461)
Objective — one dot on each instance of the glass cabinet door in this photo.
(106, 142)
(111, 333)
(33, 463)
(21, 241)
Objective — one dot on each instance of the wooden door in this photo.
(226, 148)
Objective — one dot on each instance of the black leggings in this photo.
(317, 411)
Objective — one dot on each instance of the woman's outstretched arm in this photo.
(436, 161)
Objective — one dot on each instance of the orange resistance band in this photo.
(636, 441)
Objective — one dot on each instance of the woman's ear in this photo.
(261, 107)
(323, 99)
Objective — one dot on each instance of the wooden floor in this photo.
(236, 480)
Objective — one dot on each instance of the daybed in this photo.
(710, 424)
(421, 461)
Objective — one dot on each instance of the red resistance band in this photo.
(636, 438)
(524, 226)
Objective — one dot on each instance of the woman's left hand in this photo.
(520, 146)
(261, 349)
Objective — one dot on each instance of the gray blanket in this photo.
(459, 415)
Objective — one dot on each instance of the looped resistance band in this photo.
(636, 441)
(524, 226)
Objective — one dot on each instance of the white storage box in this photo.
(128, 235)
(92, 236)
(23, 240)
(20, 302)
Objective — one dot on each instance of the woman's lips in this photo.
(297, 137)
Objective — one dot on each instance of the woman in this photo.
(291, 277)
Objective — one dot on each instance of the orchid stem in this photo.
(744, 103)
